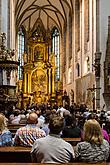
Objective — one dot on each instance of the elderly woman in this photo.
(5, 134)
(94, 148)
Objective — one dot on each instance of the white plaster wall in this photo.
(4, 16)
(4, 78)
(12, 79)
(12, 25)
(82, 38)
(89, 52)
(104, 13)
(73, 52)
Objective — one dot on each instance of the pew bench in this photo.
(14, 127)
(80, 163)
(73, 141)
(15, 154)
(22, 154)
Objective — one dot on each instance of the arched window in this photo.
(70, 75)
(21, 48)
(56, 51)
(70, 38)
(77, 25)
(78, 69)
(64, 49)
(86, 25)
(87, 65)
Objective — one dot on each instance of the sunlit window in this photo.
(1, 76)
(21, 47)
(87, 65)
(70, 38)
(69, 75)
(55, 50)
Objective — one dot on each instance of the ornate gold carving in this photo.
(39, 81)
(39, 72)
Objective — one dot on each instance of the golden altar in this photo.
(38, 73)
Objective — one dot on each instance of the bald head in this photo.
(32, 118)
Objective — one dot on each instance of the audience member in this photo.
(41, 119)
(71, 130)
(52, 148)
(5, 134)
(16, 118)
(46, 124)
(104, 132)
(25, 136)
(94, 148)
(62, 110)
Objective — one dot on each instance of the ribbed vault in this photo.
(51, 12)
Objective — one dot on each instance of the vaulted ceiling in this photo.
(50, 12)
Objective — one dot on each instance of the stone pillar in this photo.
(97, 77)
(0, 16)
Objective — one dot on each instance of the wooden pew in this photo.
(15, 154)
(22, 154)
(13, 127)
(54, 163)
(73, 141)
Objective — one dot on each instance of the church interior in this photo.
(54, 81)
(54, 51)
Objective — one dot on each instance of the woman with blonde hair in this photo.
(5, 134)
(94, 148)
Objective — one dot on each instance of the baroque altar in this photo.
(38, 72)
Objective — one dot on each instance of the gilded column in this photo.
(49, 80)
(24, 82)
(53, 80)
(29, 83)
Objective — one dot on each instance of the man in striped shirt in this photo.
(25, 136)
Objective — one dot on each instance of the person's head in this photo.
(92, 116)
(2, 122)
(70, 121)
(38, 112)
(92, 132)
(56, 124)
(32, 118)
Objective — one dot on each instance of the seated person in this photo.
(71, 130)
(41, 119)
(5, 134)
(14, 118)
(52, 148)
(25, 136)
(104, 132)
(94, 148)
(46, 124)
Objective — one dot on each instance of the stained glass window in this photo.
(21, 48)
(55, 50)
